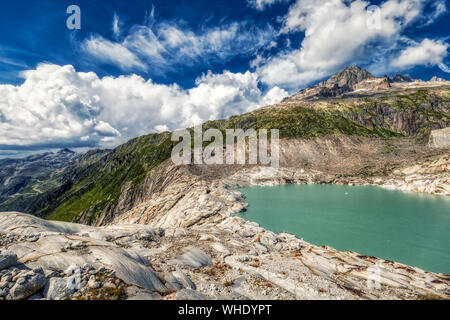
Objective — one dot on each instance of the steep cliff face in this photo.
(416, 113)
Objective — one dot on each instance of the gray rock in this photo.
(93, 283)
(36, 296)
(269, 239)
(136, 293)
(4, 292)
(58, 289)
(87, 267)
(172, 282)
(6, 278)
(184, 279)
(219, 247)
(260, 249)
(7, 260)
(110, 285)
(194, 258)
(246, 233)
(188, 294)
(31, 285)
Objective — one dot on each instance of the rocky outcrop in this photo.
(371, 85)
(427, 177)
(59, 246)
(234, 259)
(440, 138)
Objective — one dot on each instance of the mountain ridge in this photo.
(353, 79)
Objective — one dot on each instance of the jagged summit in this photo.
(348, 77)
(401, 78)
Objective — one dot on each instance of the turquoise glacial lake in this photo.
(409, 228)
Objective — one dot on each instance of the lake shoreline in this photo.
(366, 219)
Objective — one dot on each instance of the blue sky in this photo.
(146, 66)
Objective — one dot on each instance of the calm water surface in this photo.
(410, 228)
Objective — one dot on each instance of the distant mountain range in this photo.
(32, 175)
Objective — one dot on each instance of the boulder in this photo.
(7, 260)
(269, 239)
(219, 247)
(172, 282)
(58, 289)
(184, 279)
(28, 284)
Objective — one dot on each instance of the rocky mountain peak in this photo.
(349, 77)
(401, 78)
(348, 80)
(436, 79)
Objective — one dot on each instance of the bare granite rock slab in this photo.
(63, 245)
(188, 294)
(194, 258)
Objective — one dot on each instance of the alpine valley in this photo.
(140, 227)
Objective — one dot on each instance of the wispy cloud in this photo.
(444, 67)
(263, 4)
(107, 51)
(116, 26)
(437, 10)
(166, 44)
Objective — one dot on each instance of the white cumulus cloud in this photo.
(338, 33)
(58, 106)
(428, 52)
